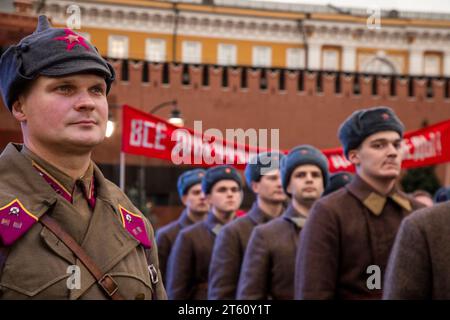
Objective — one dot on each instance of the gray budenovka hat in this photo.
(49, 51)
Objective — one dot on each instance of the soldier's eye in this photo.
(98, 90)
(64, 89)
(377, 145)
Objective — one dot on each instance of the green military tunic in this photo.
(94, 211)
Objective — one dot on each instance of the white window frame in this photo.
(295, 58)
(155, 49)
(262, 56)
(226, 54)
(112, 51)
(428, 55)
(191, 52)
(337, 53)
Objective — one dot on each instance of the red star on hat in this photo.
(227, 170)
(385, 116)
(72, 39)
(304, 151)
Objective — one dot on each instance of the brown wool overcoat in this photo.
(189, 260)
(228, 254)
(419, 264)
(165, 239)
(269, 261)
(346, 232)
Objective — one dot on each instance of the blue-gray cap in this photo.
(260, 162)
(188, 179)
(301, 155)
(337, 181)
(218, 173)
(50, 52)
(365, 122)
(442, 195)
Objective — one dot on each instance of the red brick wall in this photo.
(306, 116)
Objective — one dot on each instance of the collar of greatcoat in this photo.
(294, 216)
(257, 215)
(213, 224)
(374, 201)
(184, 219)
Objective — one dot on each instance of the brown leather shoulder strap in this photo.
(104, 280)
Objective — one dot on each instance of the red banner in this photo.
(153, 137)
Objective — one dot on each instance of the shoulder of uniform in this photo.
(233, 226)
(265, 228)
(132, 219)
(415, 205)
(169, 228)
(119, 198)
(194, 229)
(436, 215)
(331, 203)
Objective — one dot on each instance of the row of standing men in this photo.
(322, 245)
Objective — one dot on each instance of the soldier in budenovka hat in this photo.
(189, 187)
(344, 246)
(57, 210)
(191, 254)
(269, 261)
(263, 177)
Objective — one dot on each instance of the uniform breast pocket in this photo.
(133, 276)
(132, 286)
(33, 280)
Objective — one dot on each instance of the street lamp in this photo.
(109, 128)
(175, 114)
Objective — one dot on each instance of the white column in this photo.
(415, 62)
(314, 56)
(447, 63)
(122, 171)
(349, 59)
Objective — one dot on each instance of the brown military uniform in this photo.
(38, 262)
(190, 258)
(269, 261)
(165, 238)
(348, 231)
(228, 254)
(419, 264)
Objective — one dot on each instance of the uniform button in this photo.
(140, 296)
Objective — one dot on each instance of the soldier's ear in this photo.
(255, 187)
(353, 156)
(17, 110)
(184, 199)
(289, 188)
